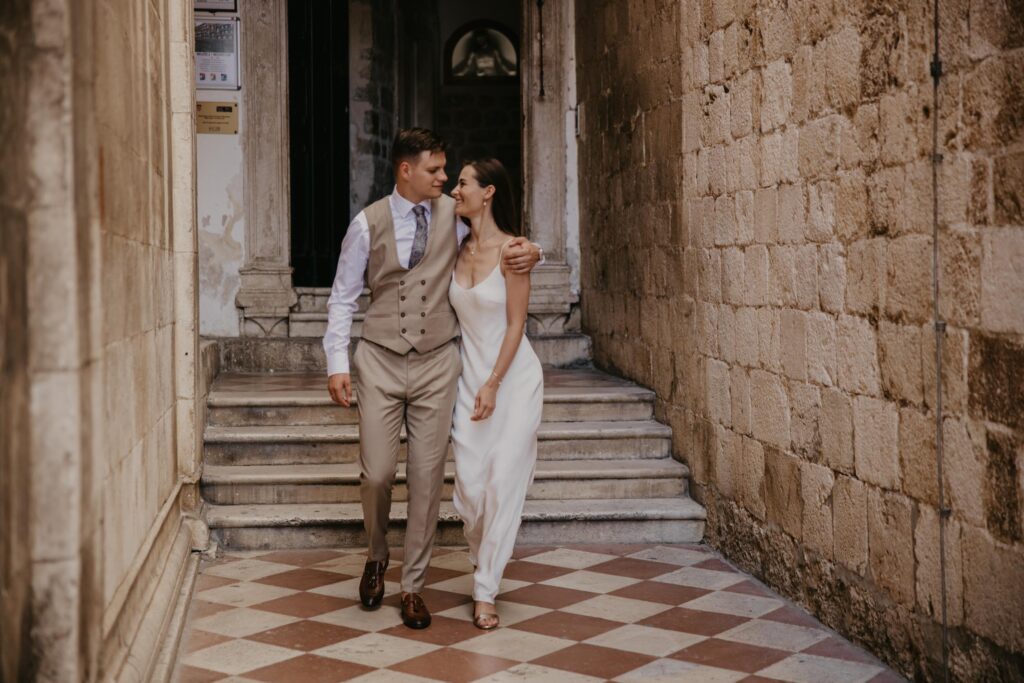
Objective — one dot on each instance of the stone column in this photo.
(266, 294)
(549, 143)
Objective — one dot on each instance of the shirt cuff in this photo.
(337, 363)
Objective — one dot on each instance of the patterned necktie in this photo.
(419, 243)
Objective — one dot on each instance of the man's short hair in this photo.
(411, 142)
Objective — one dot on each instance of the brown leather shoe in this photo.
(414, 612)
(371, 586)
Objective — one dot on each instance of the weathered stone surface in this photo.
(739, 395)
(822, 364)
(896, 130)
(993, 602)
(954, 368)
(875, 442)
(825, 267)
(1002, 279)
(858, 356)
(995, 26)
(908, 293)
(755, 280)
(769, 339)
(964, 469)
(782, 491)
(996, 380)
(852, 206)
(769, 409)
(718, 402)
(917, 456)
(766, 215)
(752, 478)
(728, 461)
(794, 344)
(960, 258)
(993, 103)
(866, 277)
(899, 359)
(805, 413)
(777, 95)
(928, 574)
(831, 278)
(1008, 188)
(1003, 486)
(891, 544)
(837, 430)
(850, 523)
(816, 491)
(819, 147)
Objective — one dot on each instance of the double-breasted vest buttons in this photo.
(395, 293)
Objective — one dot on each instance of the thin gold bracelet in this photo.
(495, 376)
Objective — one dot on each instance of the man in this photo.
(408, 361)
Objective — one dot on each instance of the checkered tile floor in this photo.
(568, 614)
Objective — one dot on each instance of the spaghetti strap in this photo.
(502, 251)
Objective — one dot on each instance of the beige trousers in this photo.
(418, 389)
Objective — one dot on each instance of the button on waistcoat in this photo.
(409, 308)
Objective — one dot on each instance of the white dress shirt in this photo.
(349, 278)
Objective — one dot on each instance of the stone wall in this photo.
(15, 557)
(99, 334)
(755, 183)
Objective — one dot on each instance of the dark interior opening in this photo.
(319, 119)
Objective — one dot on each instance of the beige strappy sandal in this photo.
(485, 621)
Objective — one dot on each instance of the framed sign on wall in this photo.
(215, 5)
(217, 47)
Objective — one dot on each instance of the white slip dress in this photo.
(494, 458)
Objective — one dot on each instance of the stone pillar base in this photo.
(553, 304)
(265, 299)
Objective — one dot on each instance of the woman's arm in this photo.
(517, 288)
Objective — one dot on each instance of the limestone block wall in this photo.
(15, 525)
(755, 184)
(99, 315)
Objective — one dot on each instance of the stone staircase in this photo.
(308, 320)
(280, 467)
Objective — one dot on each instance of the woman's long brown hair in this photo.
(490, 171)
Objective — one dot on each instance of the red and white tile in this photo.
(573, 614)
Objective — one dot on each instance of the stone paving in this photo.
(568, 614)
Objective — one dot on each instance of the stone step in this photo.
(314, 324)
(314, 406)
(321, 444)
(306, 353)
(646, 520)
(339, 483)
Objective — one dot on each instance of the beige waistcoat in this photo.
(409, 308)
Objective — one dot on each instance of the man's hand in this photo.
(340, 386)
(521, 256)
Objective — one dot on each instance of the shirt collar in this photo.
(402, 206)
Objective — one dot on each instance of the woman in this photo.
(498, 408)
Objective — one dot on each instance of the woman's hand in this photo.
(486, 399)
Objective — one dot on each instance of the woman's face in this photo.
(469, 196)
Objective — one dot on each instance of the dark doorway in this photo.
(481, 116)
(319, 101)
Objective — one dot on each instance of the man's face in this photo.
(425, 176)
